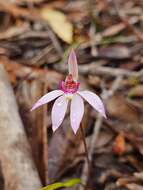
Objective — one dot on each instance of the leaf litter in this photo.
(34, 36)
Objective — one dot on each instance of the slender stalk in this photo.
(44, 136)
(86, 150)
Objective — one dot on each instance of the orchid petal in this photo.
(94, 101)
(72, 64)
(77, 111)
(59, 111)
(47, 98)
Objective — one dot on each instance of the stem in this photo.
(85, 147)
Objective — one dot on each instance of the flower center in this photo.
(69, 85)
(69, 96)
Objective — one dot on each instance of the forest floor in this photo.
(35, 39)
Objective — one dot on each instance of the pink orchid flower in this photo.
(68, 92)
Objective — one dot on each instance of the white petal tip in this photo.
(102, 112)
(33, 108)
(105, 116)
(75, 129)
(75, 132)
(54, 128)
(36, 105)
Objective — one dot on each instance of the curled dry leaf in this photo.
(59, 23)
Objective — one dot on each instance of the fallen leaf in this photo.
(119, 107)
(13, 31)
(115, 52)
(94, 81)
(119, 144)
(134, 186)
(139, 175)
(103, 139)
(136, 91)
(59, 23)
(28, 1)
(137, 141)
(113, 30)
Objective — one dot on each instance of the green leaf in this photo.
(53, 186)
(69, 183)
(72, 182)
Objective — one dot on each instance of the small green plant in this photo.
(69, 183)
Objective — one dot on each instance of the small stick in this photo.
(93, 69)
(121, 15)
(106, 94)
(85, 145)
(86, 153)
(44, 137)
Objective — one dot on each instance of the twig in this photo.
(125, 20)
(89, 4)
(92, 30)
(85, 146)
(93, 44)
(101, 70)
(105, 96)
(36, 60)
(44, 138)
(111, 31)
(55, 41)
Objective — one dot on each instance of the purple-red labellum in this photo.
(69, 85)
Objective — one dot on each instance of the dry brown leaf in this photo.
(136, 91)
(103, 139)
(115, 52)
(13, 31)
(139, 175)
(94, 81)
(59, 23)
(113, 30)
(28, 1)
(125, 180)
(137, 141)
(118, 107)
(133, 186)
(119, 146)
